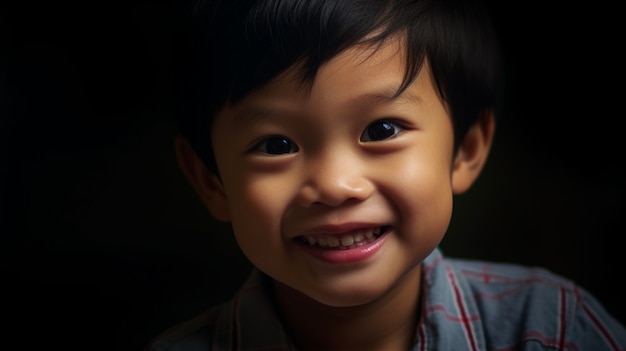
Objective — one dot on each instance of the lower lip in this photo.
(356, 254)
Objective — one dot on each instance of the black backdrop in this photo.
(104, 244)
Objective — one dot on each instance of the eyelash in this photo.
(264, 147)
(280, 145)
(389, 125)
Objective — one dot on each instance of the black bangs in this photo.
(278, 34)
(254, 41)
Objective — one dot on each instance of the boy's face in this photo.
(340, 191)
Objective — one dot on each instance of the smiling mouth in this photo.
(344, 241)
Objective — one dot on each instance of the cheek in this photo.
(422, 193)
(257, 206)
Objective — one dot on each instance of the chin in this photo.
(345, 297)
(345, 302)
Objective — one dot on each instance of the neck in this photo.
(388, 323)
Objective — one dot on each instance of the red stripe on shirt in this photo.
(461, 306)
(563, 320)
(601, 328)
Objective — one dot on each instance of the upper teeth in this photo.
(353, 238)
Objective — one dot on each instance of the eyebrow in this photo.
(385, 96)
(367, 100)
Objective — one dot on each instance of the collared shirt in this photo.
(466, 305)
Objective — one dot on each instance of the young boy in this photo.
(332, 135)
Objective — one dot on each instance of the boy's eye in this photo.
(381, 130)
(276, 145)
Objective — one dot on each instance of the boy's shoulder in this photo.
(194, 334)
(510, 305)
(493, 276)
(247, 321)
(515, 289)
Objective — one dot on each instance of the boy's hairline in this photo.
(376, 40)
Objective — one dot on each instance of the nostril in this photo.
(335, 193)
(333, 180)
(307, 196)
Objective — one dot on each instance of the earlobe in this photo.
(206, 184)
(472, 153)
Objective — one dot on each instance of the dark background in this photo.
(104, 244)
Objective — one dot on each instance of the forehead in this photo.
(363, 75)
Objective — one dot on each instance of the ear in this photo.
(472, 153)
(206, 184)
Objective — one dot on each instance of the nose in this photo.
(333, 180)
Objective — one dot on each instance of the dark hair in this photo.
(237, 46)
